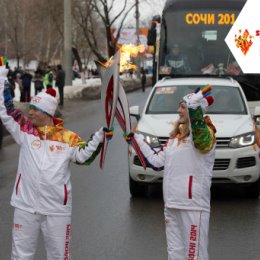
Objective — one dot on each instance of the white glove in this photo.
(99, 135)
(199, 98)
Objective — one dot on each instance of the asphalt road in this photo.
(108, 224)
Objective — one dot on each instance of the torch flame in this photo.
(129, 51)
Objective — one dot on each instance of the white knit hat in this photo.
(45, 103)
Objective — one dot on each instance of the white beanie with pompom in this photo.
(45, 103)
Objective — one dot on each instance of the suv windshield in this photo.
(165, 100)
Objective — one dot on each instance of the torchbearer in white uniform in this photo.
(188, 160)
(42, 194)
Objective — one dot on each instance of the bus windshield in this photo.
(193, 42)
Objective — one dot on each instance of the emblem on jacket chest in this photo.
(36, 144)
(57, 148)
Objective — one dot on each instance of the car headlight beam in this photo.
(152, 140)
(243, 140)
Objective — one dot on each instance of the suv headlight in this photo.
(152, 140)
(243, 140)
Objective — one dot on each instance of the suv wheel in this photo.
(137, 189)
(252, 191)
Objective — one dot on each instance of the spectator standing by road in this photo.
(26, 82)
(48, 78)
(60, 82)
(8, 85)
(42, 197)
(38, 81)
(188, 160)
(143, 79)
(11, 80)
(17, 77)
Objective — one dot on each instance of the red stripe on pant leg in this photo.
(65, 194)
(190, 187)
(17, 184)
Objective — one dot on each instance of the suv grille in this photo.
(221, 164)
(222, 142)
(246, 162)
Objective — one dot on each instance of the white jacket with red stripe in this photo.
(187, 171)
(43, 182)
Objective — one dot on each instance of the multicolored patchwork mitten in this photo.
(200, 98)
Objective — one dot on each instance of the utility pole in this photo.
(137, 36)
(67, 43)
(137, 21)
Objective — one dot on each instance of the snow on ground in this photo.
(76, 90)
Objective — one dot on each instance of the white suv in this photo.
(237, 154)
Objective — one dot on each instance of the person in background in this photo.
(17, 77)
(143, 79)
(26, 82)
(11, 80)
(60, 82)
(187, 160)
(8, 85)
(48, 78)
(42, 195)
(177, 61)
(38, 81)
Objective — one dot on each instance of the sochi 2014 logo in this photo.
(36, 100)
(244, 41)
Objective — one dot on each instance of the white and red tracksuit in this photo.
(186, 190)
(42, 194)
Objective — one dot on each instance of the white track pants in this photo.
(187, 234)
(26, 229)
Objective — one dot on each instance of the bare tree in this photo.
(86, 20)
(96, 17)
(30, 30)
(34, 29)
(104, 9)
(13, 31)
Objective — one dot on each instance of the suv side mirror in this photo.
(134, 111)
